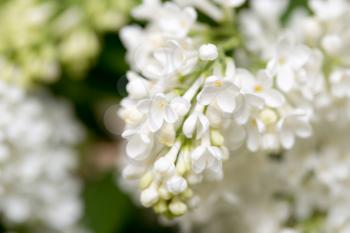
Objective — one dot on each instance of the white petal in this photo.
(145, 137)
(265, 79)
(287, 138)
(255, 101)
(206, 96)
(215, 166)
(155, 119)
(231, 3)
(144, 106)
(226, 101)
(241, 113)
(170, 115)
(197, 153)
(270, 141)
(273, 98)
(253, 140)
(180, 105)
(204, 125)
(303, 129)
(198, 159)
(199, 165)
(235, 136)
(245, 79)
(285, 78)
(230, 69)
(189, 125)
(136, 148)
(215, 152)
(129, 132)
(211, 79)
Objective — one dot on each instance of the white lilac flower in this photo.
(38, 156)
(247, 128)
(326, 9)
(288, 60)
(219, 91)
(261, 86)
(159, 110)
(207, 157)
(175, 21)
(333, 38)
(261, 26)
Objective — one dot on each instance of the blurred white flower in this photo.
(38, 154)
(231, 3)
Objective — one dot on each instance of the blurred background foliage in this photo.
(107, 208)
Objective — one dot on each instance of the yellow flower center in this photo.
(268, 116)
(218, 83)
(282, 60)
(162, 104)
(258, 88)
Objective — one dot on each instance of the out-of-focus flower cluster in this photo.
(38, 158)
(237, 122)
(40, 39)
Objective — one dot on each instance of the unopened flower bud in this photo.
(208, 52)
(332, 44)
(149, 197)
(164, 193)
(164, 166)
(177, 208)
(167, 135)
(145, 180)
(182, 166)
(312, 28)
(187, 194)
(137, 87)
(176, 184)
(268, 116)
(216, 138)
(160, 207)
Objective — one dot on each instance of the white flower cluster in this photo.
(38, 38)
(217, 107)
(304, 190)
(37, 162)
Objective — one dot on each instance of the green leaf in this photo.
(106, 207)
